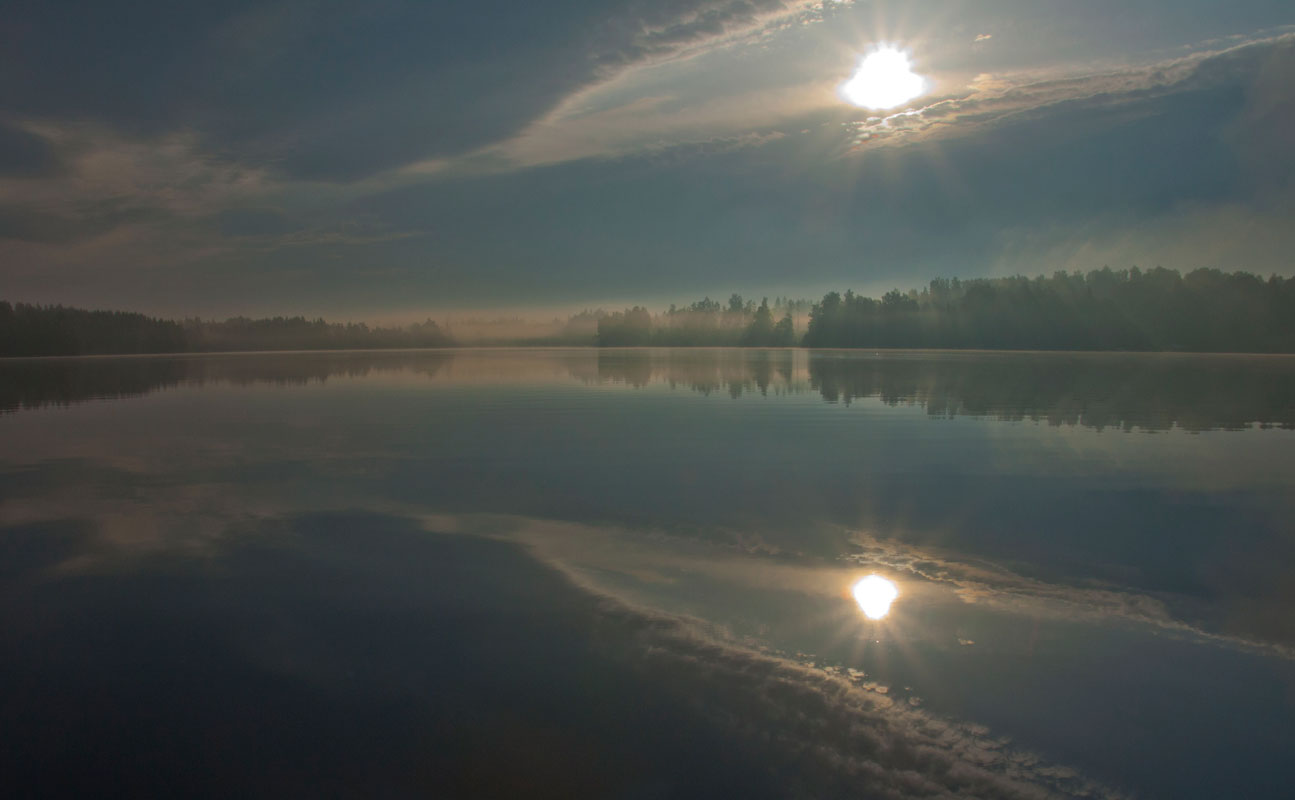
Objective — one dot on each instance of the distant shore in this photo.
(1158, 310)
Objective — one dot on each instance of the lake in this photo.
(629, 573)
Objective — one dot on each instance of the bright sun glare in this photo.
(884, 79)
(874, 595)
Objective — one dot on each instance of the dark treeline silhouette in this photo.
(1155, 310)
(704, 323)
(299, 333)
(1203, 311)
(1206, 310)
(60, 382)
(30, 330)
(33, 330)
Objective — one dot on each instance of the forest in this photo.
(740, 323)
(1206, 310)
(34, 330)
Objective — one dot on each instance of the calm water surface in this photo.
(628, 574)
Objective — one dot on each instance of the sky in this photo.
(395, 159)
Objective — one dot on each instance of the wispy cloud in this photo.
(591, 124)
(109, 180)
(993, 99)
(279, 148)
(653, 31)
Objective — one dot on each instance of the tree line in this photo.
(35, 330)
(1206, 310)
(740, 323)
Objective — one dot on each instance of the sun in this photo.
(874, 595)
(884, 79)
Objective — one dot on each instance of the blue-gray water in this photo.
(627, 574)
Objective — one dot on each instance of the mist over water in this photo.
(630, 572)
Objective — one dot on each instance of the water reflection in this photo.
(874, 594)
(29, 383)
(1046, 574)
(1149, 392)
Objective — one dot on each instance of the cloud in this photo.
(169, 174)
(20, 223)
(255, 222)
(997, 99)
(616, 119)
(24, 154)
(651, 31)
(318, 91)
(323, 92)
(638, 129)
(590, 135)
(263, 107)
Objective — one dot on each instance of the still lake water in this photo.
(569, 573)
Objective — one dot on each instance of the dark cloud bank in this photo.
(325, 90)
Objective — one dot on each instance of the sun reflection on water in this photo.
(874, 594)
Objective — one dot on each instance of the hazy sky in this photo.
(391, 158)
